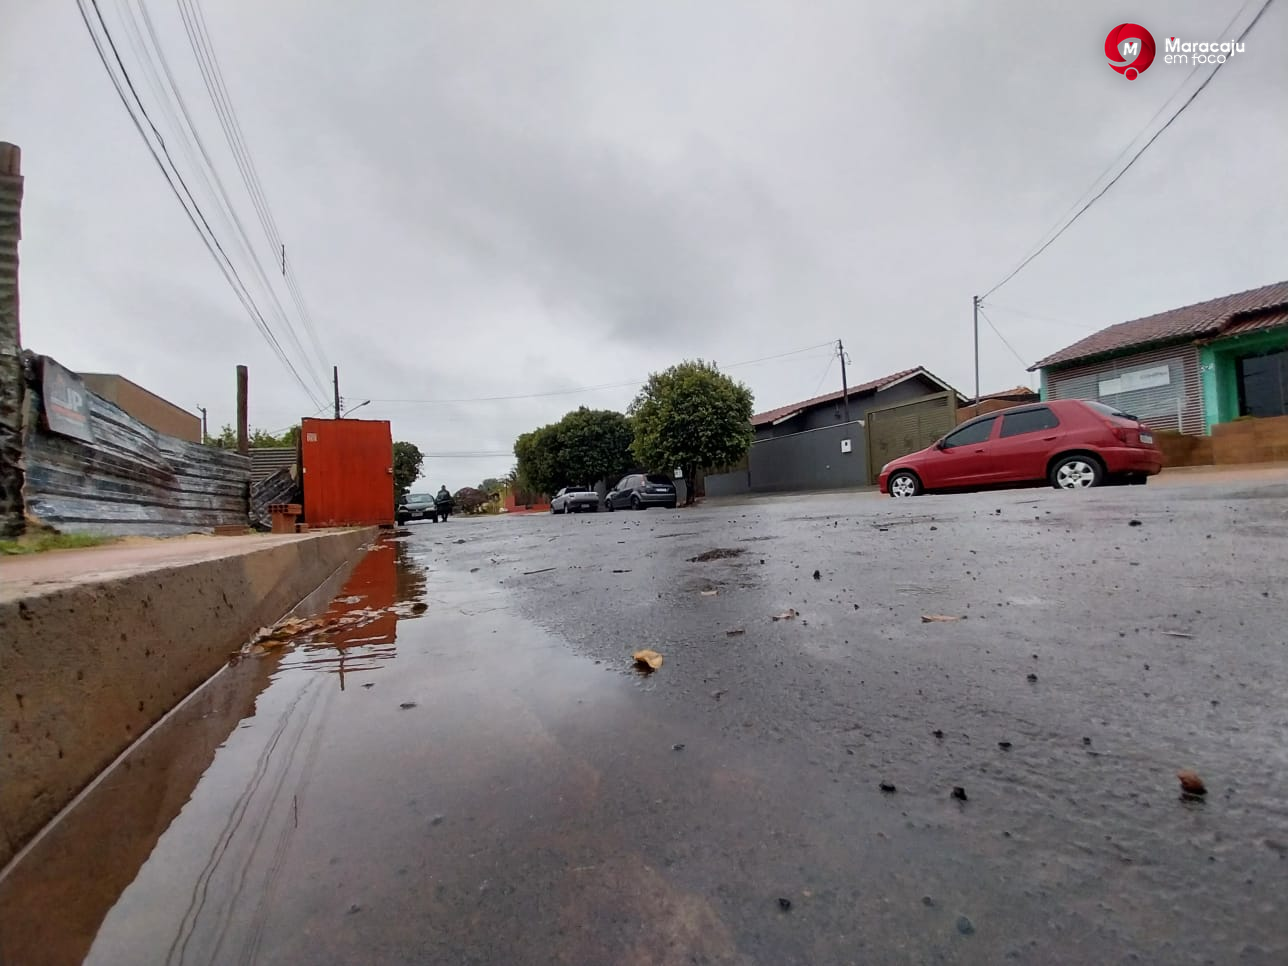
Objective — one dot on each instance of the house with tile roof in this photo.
(821, 443)
(1187, 369)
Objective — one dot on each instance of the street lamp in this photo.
(365, 402)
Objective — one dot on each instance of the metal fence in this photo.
(112, 475)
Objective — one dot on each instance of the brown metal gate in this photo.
(908, 427)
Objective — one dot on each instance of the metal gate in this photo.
(908, 427)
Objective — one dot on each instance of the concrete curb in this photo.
(89, 666)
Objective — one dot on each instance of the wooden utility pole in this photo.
(12, 519)
(845, 386)
(975, 301)
(335, 379)
(243, 411)
(205, 426)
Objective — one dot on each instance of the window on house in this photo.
(1263, 384)
(1028, 421)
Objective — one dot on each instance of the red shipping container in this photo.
(348, 472)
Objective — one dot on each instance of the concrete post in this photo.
(11, 383)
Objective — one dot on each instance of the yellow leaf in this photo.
(647, 660)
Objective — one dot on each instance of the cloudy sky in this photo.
(518, 199)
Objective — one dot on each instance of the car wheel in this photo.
(904, 484)
(608, 505)
(1077, 473)
(635, 503)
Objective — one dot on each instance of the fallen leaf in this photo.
(1191, 783)
(787, 615)
(938, 619)
(647, 660)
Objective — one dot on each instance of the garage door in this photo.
(903, 429)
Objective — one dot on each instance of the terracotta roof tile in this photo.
(761, 419)
(1203, 319)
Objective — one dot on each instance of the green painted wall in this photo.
(1042, 386)
(1220, 374)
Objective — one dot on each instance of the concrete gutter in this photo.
(97, 645)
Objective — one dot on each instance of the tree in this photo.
(690, 416)
(227, 438)
(594, 444)
(407, 462)
(469, 500)
(584, 447)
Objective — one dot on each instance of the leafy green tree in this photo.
(689, 416)
(407, 463)
(594, 444)
(538, 456)
(227, 438)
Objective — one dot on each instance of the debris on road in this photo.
(419, 607)
(543, 570)
(370, 684)
(888, 788)
(735, 632)
(719, 694)
(406, 705)
(938, 733)
(790, 614)
(720, 553)
(1033, 678)
(710, 593)
(647, 660)
(621, 571)
(1004, 745)
(939, 619)
(678, 746)
(1134, 523)
(1191, 783)
(959, 793)
(1178, 634)
(817, 575)
(965, 926)
(784, 904)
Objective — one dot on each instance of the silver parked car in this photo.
(575, 499)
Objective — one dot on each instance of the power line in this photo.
(998, 333)
(831, 361)
(1025, 314)
(583, 389)
(208, 172)
(1134, 158)
(195, 215)
(212, 77)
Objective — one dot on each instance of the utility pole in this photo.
(335, 378)
(845, 386)
(975, 303)
(205, 426)
(243, 411)
(12, 520)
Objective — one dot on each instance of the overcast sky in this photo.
(499, 199)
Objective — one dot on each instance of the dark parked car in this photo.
(418, 506)
(575, 499)
(1068, 443)
(639, 491)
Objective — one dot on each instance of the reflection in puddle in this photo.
(54, 899)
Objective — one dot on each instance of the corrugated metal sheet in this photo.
(1176, 404)
(265, 461)
(904, 429)
(131, 479)
(348, 472)
(281, 487)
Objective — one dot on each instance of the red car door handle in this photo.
(979, 451)
(1050, 439)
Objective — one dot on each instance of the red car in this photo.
(1070, 443)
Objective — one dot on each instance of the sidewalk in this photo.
(41, 573)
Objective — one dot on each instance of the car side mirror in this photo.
(941, 445)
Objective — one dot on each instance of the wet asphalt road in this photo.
(491, 782)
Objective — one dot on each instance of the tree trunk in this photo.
(690, 485)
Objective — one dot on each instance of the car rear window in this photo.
(1110, 411)
(657, 480)
(577, 489)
